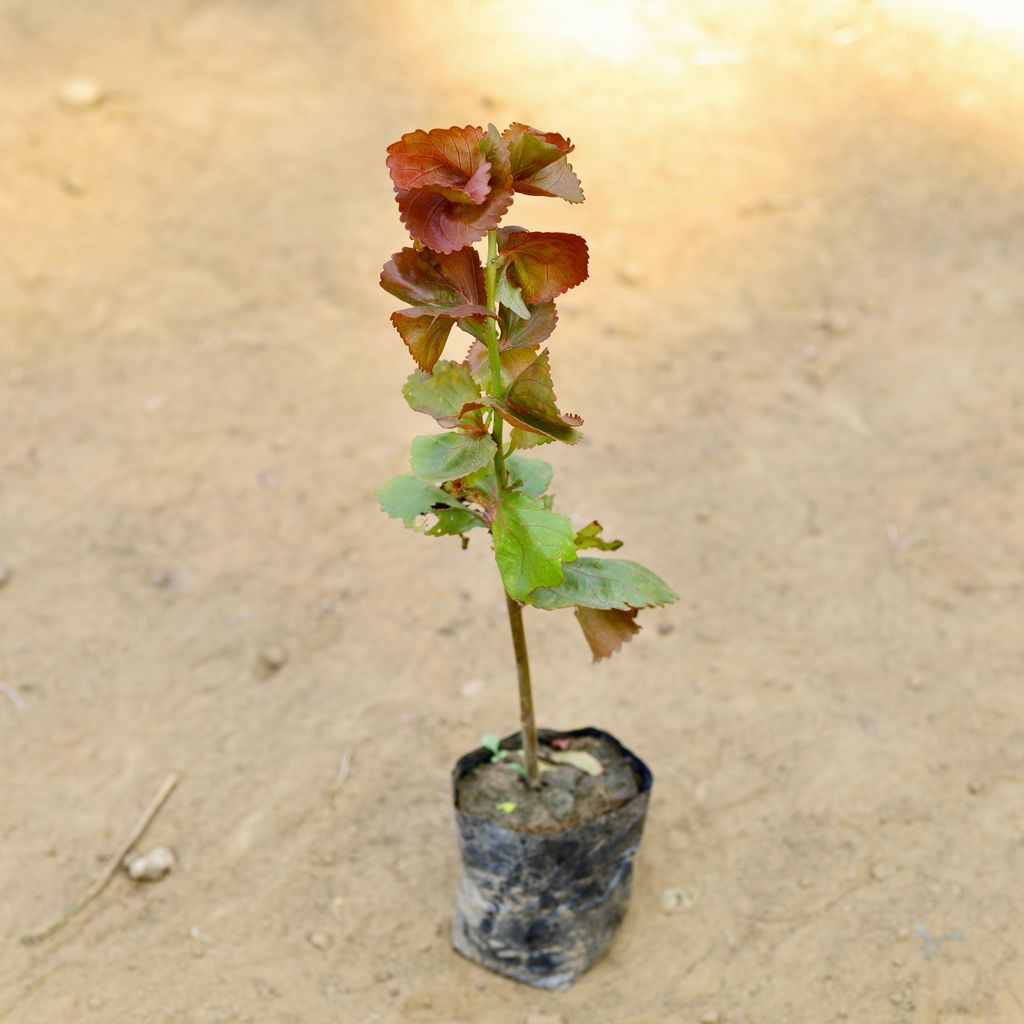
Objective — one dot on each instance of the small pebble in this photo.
(5, 574)
(676, 899)
(880, 872)
(711, 1017)
(631, 274)
(471, 687)
(382, 975)
(665, 628)
(835, 323)
(163, 579)
(545, 1018)
(319, 940)
(976, 786)
(273, 658)
(151, 867)
(81, 93)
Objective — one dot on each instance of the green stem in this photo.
(515, 609)
(494, 358)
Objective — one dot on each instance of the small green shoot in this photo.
(507, 806)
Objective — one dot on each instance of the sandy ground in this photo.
(799, 358)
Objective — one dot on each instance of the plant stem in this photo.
(515, 609)
(494, 358)
(529, 726)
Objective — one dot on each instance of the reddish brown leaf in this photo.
(606, 629)
(424, 278)
(529, 403)
(539, 164)
(513, 362)
(447, 161)
(543, 264)
(425, 329)
(433, 217)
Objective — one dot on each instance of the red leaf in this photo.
(447, 161)
(529, 404)
(443, 287)
(430, 213)
(539, 164)
(544, 264)
(425, 329)
(424, 278)
(606, 629)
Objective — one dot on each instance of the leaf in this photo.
(447, 161)
(605, 583)
(443, 290)
(590, 537)
(606, 629)
(406, 497)
(520, 439)
(581, 759)
(531, 476)
(508, 296)
(449, 456)
(443, 393)
(539, 164)
(453, 522)
(490, 742)
(513, 362)
(506, 806)
(424, 278)
(529, 403)
(518, 332)
(543, 264)
(530, 544)
(447, 222)
(425, 329)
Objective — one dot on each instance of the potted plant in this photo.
(549, 821)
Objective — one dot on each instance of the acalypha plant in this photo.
(453, 187)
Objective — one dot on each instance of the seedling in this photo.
(453, 187)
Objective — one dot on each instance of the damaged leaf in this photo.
(581, 759)
(590, 537)
(606, 629)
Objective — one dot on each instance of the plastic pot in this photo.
(544, 909)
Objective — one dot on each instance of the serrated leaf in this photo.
(531, 476)
(406, 497)
(581, 759)
(605, 583)
(513, 362)
(446, 217)
(443, 289)
(542, 264)
(529, 403)
(519, 440)
(539, 164)
(606, 629)
(450, 456)
(530, 544)
(442, 393)
(448, 161)
(590, 537)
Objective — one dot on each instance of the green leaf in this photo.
(490, 742)
(450, 456)
(530, 544)
(529, 403)
(443, 393)
(520, 439)
(452, 522)
(406, 497)
(508, 295)
(606, 629)
(531, 476)
(605, 583)
(590, 537)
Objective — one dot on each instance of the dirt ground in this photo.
(799, 357)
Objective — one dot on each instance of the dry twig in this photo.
(59, 920)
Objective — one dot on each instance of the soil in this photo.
(568, 797)
(799, 361)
